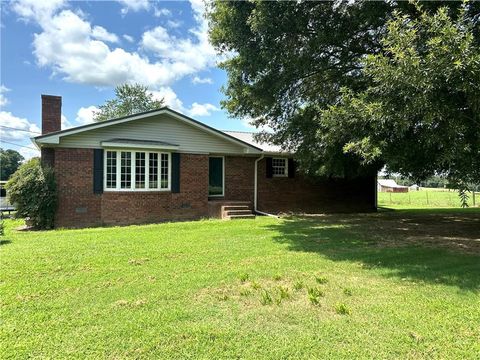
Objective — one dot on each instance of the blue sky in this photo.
(81, 50)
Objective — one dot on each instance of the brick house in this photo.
(161, 165)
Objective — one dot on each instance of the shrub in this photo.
(33, 192)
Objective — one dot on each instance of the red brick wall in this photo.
(239, 173)
(48, 157)
(298, 194)
(51, 114)
(78, 206)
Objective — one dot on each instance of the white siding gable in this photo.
(160, 127)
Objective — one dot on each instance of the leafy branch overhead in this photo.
(420, 114)
(354, 86)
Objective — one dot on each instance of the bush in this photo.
(33, 192)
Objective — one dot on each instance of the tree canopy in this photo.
(312, 70)
(129, 99)
(10, 160)
(421, 112)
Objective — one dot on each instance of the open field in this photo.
(429, 198)
(395, 284)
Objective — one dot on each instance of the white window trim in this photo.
(286, 168)
(223, 177)
(132, 172)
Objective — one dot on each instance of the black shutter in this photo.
(98, 171)
(175, 173)
(291, 168)
(269, 170)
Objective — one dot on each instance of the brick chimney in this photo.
(51, 114)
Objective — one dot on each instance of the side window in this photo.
(279, 167)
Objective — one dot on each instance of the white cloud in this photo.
(202, 109)
(134, 5)
(65, 123)
(174, 24)
(158, 12)
(73, 48)
(100, 33)
(28, 152)
(186, 55)
(3, 100)
(39, 11)
(198, 80)
(85, 115)
(171, 100)
(16, 129)
(128, 38)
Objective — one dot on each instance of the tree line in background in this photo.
(10, 160)
(431, 182)
(352, 87)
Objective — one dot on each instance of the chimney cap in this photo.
(51, 96)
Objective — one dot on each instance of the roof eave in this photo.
(54, 137)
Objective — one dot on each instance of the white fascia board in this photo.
(111, 144)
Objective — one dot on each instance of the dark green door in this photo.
(215, 176)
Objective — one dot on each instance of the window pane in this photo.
(153, 171)
(279, 167)
(126, 170)
(111, 169)
(140, 170)
(164, 171)
(215, 176)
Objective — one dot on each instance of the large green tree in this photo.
(129, 99)
(10, 160)
(289, 62)
(421, 113)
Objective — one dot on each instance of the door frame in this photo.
(223, 174)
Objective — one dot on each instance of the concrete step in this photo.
(238, 212)
(243, 216)
(235, 207)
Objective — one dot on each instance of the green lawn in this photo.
(396, 284)
(431, 198)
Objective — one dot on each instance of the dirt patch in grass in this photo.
(277, 295)
(453, 231)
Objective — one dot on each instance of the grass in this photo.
(425, 198)
(401, 284)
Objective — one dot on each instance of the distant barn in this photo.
(389, 185)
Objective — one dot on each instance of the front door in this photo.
(216, 176)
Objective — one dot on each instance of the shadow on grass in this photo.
(434, 247)
(5, 242)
